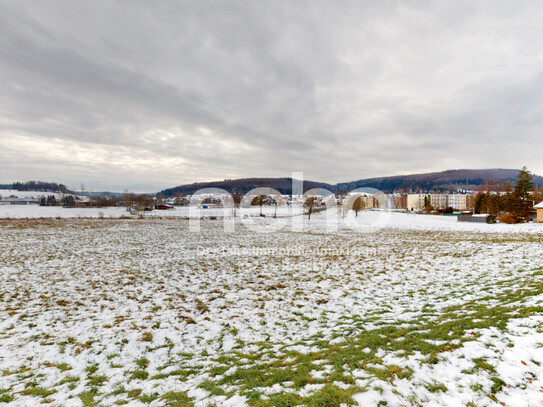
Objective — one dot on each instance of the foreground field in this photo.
(144, 312)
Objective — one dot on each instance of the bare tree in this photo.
(160, 198)
(358, 205)
(259, 201)
(144, 200)
(341, 193)
(178, 197)
(309, 204)
(128, 199)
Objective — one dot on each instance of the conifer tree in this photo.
(522, 195)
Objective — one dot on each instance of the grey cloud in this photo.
(227, 89)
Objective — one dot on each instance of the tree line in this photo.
(36, 186)
(515, 203)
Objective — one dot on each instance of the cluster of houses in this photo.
(461, 201)
(13, 197)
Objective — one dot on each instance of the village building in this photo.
(458, 201)
(539, 208)
(415, 202)
(438, 201)
(400, 201)
(19, 201)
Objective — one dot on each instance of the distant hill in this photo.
(41, 186)
(450, 180)
(36, 186)
(444, 180)
(244, 185)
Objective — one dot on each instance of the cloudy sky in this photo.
(147, 95)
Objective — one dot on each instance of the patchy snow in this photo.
(117, 310)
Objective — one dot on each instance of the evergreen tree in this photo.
(479, 202)
(507, 200)
(493, 204)
(522, 195)
(69, 201)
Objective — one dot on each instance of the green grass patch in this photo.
(497, 385)
(87, 398)
(37, 392)
(140, 374)
(177, 399)
(436, 387)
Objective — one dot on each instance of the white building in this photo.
(415, 202)
(438, 201)
(19, 201)
(458, 201)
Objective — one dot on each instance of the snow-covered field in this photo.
(288, 218)
(35, 211)
(5, 193)
(423, 311)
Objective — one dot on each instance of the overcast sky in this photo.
(148, 95)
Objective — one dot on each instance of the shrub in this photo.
(507, 218)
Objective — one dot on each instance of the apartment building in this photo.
(416, 202)
(458, 201)
(439, 201)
